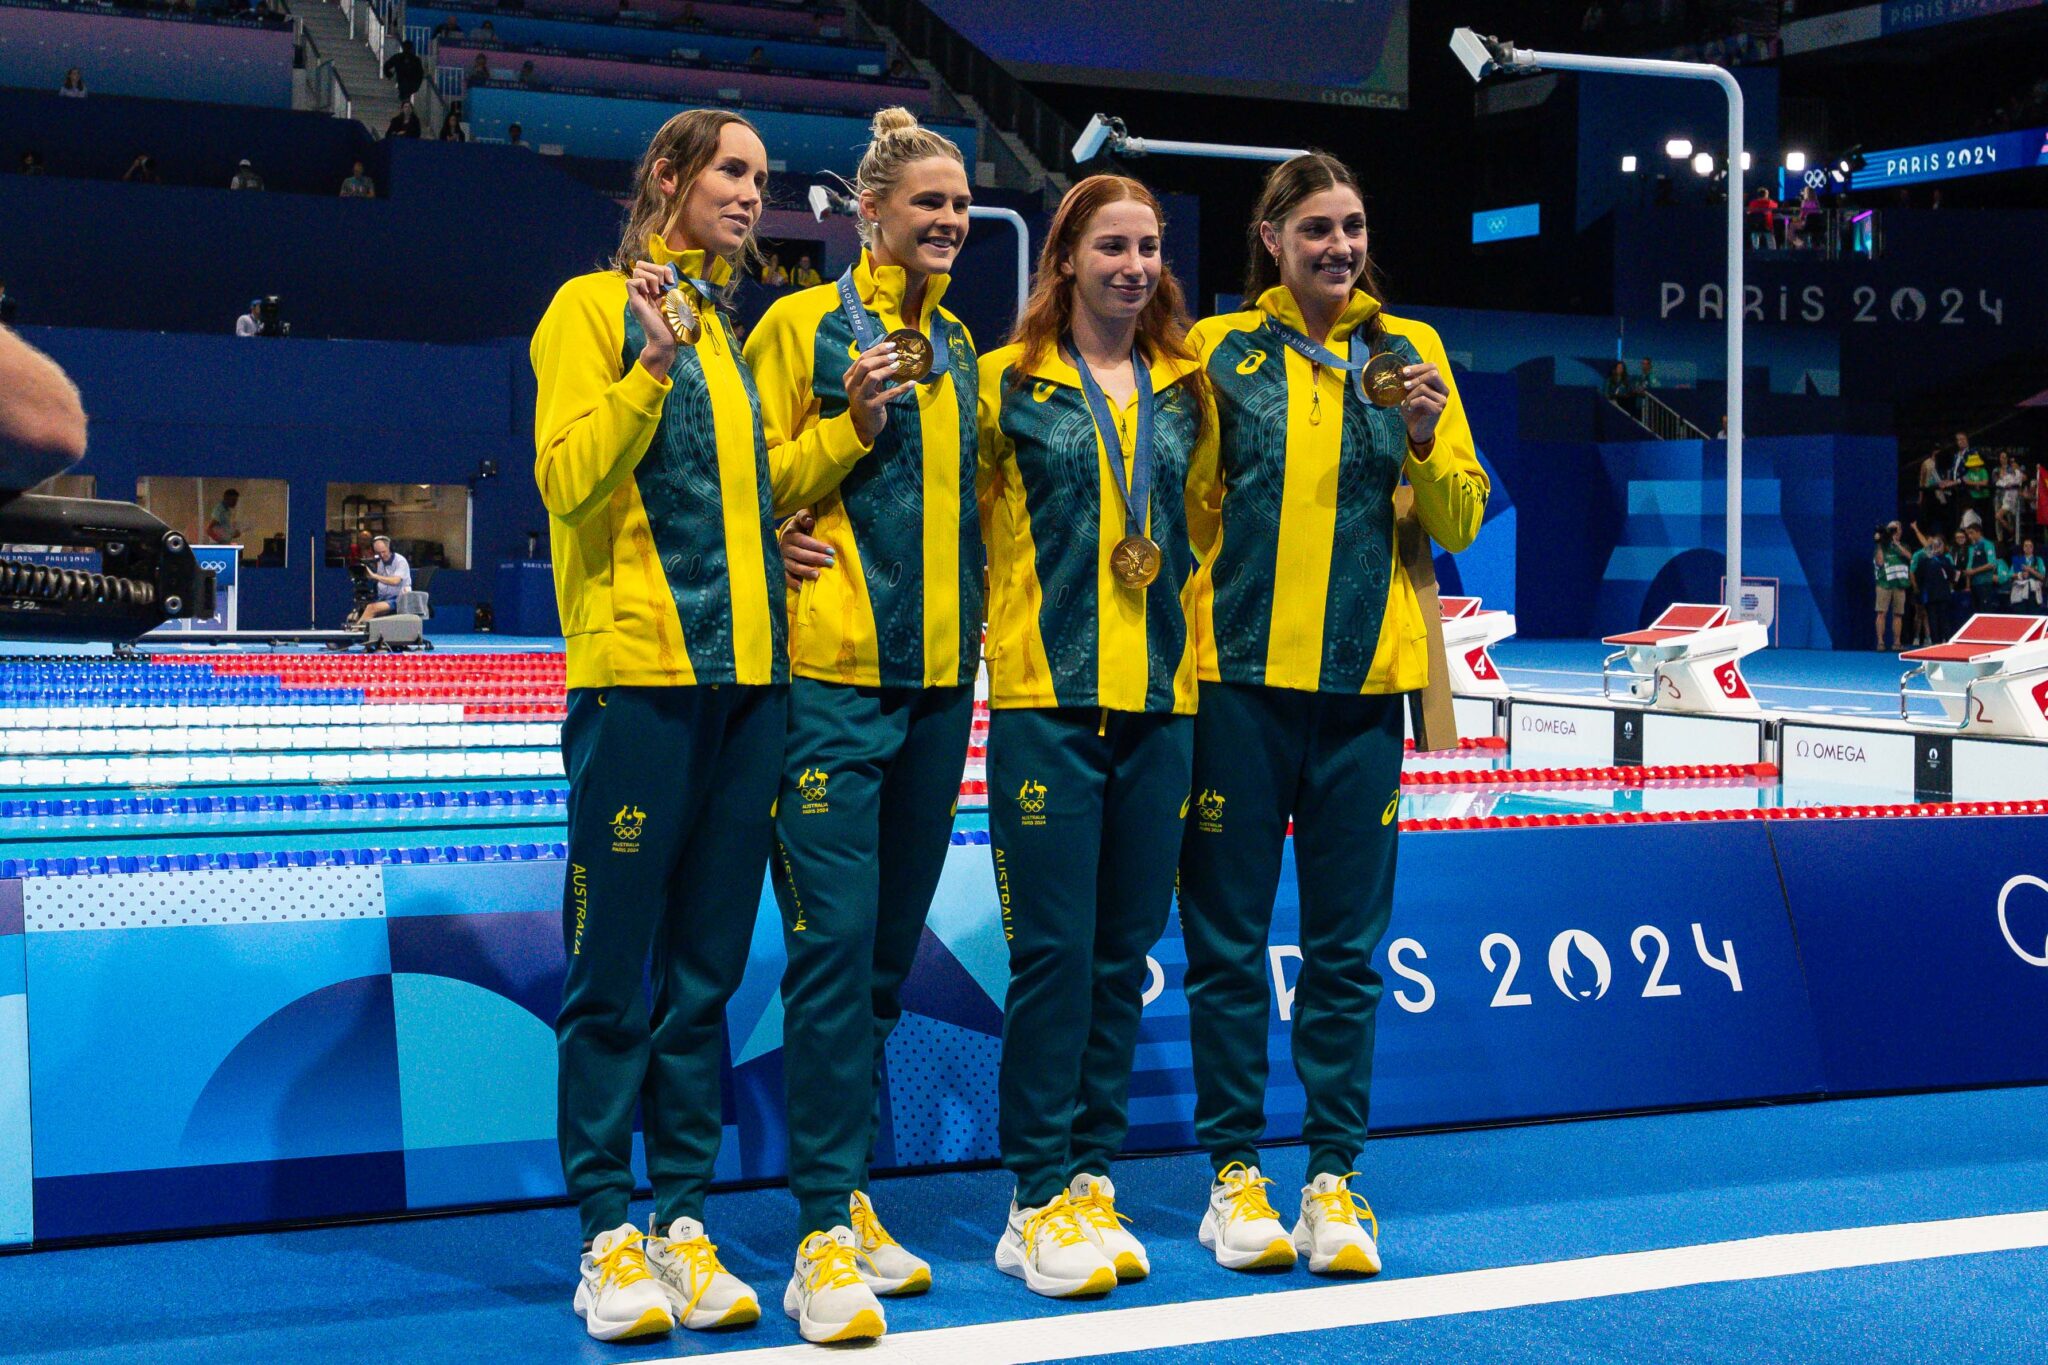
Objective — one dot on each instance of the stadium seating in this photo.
(585, 33)
(190, 57)
(683, 79)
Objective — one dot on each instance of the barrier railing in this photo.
(1657, 417)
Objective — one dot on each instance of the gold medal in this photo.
(913, 354)
(1135, 561)
(680, 321)
(1384, 383)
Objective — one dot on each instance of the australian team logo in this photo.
(1209, 811)
(1031, 801)
(626, 827)
(810, 785)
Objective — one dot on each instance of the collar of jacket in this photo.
(1278, 303)
(881, 287)
(715, 271)
(1166, 370)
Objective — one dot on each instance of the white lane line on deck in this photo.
(1113, 1330)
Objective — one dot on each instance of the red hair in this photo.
(1049, 313)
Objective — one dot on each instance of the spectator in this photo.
(1933, 579)
(2008, 481)
(392, 575)
(758, 58)
(404, 123)
(1618, 386)
(1762, 212)
(74, 84)
(485, 33)
(222, 526)
(526, 73)
(806, 275)
(1932, 516)
(247, 325)
(1796, 221)
(2029, 575)
(480, 70)
(451, 124)
(772, 273)
(32, 164)
(142, 171)
(449, 27)
(1979, 570)
(358, 185)
(515, 135)
(1645, 381)
(1894, 571)
(245, 177)
(406, 68)
(1976, 476)
(9, 304)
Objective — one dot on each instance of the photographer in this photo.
(269, 318)
(392, 575)
(1893, 572)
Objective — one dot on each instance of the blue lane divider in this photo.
(257, 803)
(17, 868)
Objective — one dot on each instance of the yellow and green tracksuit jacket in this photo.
(657, 492)
(1062, 631)
(1299, 585)
(903, 606)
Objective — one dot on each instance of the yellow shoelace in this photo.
(834, 1265)
(1056, 1220)
(624, 1264)
(1244, 1193)
(1098, 1208)
(869, 1228)
(1342, 1205)
(700, 1255)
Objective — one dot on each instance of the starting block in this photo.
(1991, 678)
(1688, 659)
(1468, 632)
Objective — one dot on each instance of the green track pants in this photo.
(670, 790)
(1085, 812)
(871, 779)
(1332, 763)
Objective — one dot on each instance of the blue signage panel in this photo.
(1964, 156)
(1903, 15)
(1926, 948)
(1499, 225)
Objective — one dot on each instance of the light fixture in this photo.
(1628, 165)
(1745, 161)
(1837, 175)
(1678, 148)
(1795, 162)
(1703, 163)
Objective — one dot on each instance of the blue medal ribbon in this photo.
(1137, 490)
(866, 332)
(1321, 355)
(705, 291)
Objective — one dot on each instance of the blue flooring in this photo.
(496, 1286)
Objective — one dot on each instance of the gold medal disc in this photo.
(1383, 381)
(1135, 561)
(680, 321)
(913, 354)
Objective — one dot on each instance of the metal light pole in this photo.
(1105, 130)
(1484, 56)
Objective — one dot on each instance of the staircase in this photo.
(1659, 418)
(335, 39)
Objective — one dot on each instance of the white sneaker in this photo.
(1241, 1226)
(889, 1269)
(825, 1294)
(1047, 1249)
(1329, 1232)
(1094, 1200)
(701, 1292)
(618, 1298)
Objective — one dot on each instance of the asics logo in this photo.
(1250, 364)
(1042, 390)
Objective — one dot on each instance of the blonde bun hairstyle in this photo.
(896, 139)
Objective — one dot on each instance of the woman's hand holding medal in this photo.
(1427, 394)
(644, 290)
(869, 389)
